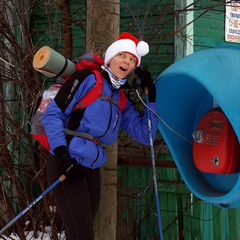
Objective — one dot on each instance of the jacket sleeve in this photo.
(59, 112)
(136, 125)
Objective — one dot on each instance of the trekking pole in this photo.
(153, 165)
(60, 179)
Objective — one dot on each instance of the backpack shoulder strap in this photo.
(123, 100)
(93, 94)
(96, 93)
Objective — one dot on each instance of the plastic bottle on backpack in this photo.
(47, 98)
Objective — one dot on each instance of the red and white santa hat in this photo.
(127, 43)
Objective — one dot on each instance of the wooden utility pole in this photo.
(103, 21)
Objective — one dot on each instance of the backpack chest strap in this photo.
(85, 136)
(109, 99)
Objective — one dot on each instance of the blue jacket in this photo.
(102, 119)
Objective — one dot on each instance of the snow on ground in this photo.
(30, 235)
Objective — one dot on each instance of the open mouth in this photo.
(123, 69)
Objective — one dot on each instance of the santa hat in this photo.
(127, 43)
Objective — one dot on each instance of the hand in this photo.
(146, 81)
(66, 165)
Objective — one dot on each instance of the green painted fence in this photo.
(183, 215)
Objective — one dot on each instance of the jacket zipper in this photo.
(116, 122)
(108, 128)
(94, 162)
(110, 118)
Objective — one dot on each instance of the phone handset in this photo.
(198, 136)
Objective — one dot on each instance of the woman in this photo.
(81, 159)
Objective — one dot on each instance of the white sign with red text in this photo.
(232, 22)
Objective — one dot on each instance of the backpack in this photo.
(88, 61)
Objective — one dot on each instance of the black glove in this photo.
(66, 165)
(146, 81)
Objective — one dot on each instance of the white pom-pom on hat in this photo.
(142, 48)
(127, 43)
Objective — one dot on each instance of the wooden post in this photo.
(105, 222)
(103, 21)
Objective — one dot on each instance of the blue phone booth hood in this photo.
(186, 91)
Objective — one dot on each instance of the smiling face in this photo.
(123, 64)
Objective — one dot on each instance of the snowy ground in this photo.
(29, 236)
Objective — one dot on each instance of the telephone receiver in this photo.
(198, 135)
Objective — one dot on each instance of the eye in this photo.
(133, 60)
(122, 54)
